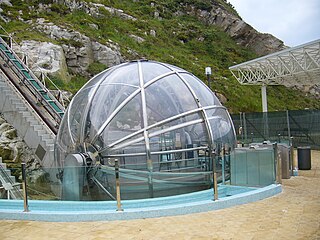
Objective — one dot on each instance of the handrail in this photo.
(61, 96)
(33, 105)
(13, 188)
(34, 85)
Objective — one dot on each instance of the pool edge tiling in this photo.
(13, 209)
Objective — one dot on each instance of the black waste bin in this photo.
(304, 158)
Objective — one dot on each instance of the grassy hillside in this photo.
(181, 40)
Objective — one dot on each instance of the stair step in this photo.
(16, 100)
(22, 108)
(45, 136)
(41, 132)
(31, 120)
(26, 114)
(8, 93)
(49, 144)
(37, 127)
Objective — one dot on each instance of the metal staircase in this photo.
(28, 105)
(8, 183)
(30, 86)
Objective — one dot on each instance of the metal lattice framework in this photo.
(293, 66)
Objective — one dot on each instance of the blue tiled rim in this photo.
(72, 211)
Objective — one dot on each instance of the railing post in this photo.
(116, 168)
(24, 187)
(223, 159)
(214, 175)
(291, 156)
(279, 167)
(10, 42)
(245, 128)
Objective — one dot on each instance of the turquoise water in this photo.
(57, 206)
(75, 211)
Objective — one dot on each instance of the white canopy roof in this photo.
(293, 66)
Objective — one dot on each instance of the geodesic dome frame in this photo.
(157, 119)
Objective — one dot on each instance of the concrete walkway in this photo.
(293, 214)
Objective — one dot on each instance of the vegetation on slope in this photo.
(180, 39)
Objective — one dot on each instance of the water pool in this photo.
(73, 211)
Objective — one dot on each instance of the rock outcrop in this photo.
(240, 31)
(79, 50)
(44, 57)
(93, 8)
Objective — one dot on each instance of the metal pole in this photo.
(209, 80)
(264, 98)
(245, 128)
(10, 42)
(116, 168)
(279, 168)
(223, 165)
(242, 128)
(24, 187)
(291, 155)
(214, 175)
(215, 186)
(288, 125)
(265, 111)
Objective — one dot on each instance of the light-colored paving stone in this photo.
(293, 214)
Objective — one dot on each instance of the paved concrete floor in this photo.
(293, 214)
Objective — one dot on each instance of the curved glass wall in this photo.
(162, 124)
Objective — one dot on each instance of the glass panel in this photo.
(106, 100)
(222, 128)
(76, 109)
(175, 68)
(125, 74)
(190, 134)
(96, 79)
(126, 122)
(193, 136)
(205, 95)
(151, 70)
(181, 120)
(63, 137)
(168, 97)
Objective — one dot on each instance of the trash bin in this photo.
(304, 158)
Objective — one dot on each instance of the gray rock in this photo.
(94, 8)
(5, 152)
(94, 26)
(78, 58)
(10, 134)
(153, 33)
(6, 2)
(137, 38)
(241, 32)
(44, 57)
(4, 127)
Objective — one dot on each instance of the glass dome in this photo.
(161, 122)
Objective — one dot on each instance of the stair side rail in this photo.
(34, 85)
